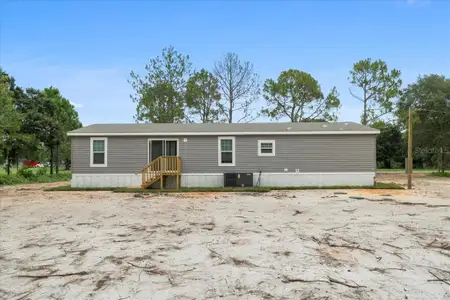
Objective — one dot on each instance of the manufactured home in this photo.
(216, 155)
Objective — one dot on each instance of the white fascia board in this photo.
(222, 133)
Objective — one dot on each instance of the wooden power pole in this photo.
(410, 159)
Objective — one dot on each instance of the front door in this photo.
(162, 148)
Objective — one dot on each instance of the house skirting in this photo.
(216, 179)
(106, 180)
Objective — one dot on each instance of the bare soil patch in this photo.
(312, 244)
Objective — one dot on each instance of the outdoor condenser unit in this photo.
(238, 179)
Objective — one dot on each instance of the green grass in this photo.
(440, 174)
(403, 170)
(33, 176)
(379, 185)
(387, 186)
(14, 170)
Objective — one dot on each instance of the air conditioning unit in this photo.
(238, 179)
(229, 179)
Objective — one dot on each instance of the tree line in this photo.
(171, 91)
(34, 123)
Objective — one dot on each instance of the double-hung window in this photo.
(266, 148)
(227, 151)
(99, 151)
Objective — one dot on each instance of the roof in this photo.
(223, 129)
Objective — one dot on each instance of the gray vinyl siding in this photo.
(307, 153)
(126, 155)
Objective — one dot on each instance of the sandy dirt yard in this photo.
(311, 245)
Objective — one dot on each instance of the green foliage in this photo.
(65, 118)
(11, 179)
(203, 97)
(378, 86)
(429, 99)
(9, 118)
(298, 96)
(160, 94)
(39, 119)
(26, 173)
(35, 178)
(441, 174)
(390, 144)
(41, 171)
(239, 86)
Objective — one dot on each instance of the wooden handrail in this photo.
(163, 165)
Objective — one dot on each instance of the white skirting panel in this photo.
(285, 179)
(106, 180)
(202, 180)
(216, 179)
(315, 179)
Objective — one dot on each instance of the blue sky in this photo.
(88, 48)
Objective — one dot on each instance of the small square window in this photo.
(266, 148)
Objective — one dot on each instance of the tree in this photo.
(40, 120)
(390, 144)
(11, 139)
(35, 119)
(160, 94)
(379, 86)
(298, 96)
(429, 98)
(203, 97)
(239, 85)
(7, 114)
(66, 119)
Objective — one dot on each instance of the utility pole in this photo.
(410, 160)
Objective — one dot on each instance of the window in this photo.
(227, 151)
(99, 150)
(266, 148)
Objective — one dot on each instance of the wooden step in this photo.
(150, 182)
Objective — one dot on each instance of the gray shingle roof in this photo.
(220, 128)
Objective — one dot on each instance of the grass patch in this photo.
(387, 186)
(379, 185)
(33, 178)
(68, 188)
(441, 174)
(402, 170)
(14, 170)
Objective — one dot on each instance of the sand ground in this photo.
(318, 244)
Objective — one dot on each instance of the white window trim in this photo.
(219, 151)
(266, 141)
(92, 152)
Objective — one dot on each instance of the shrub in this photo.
(11, 179)
(41, 171)
(26, 173)
(21, 177)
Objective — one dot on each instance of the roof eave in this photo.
(357, 132)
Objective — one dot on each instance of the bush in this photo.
(41, 171)
(11, 179)
(26, 173)
(35, 178)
